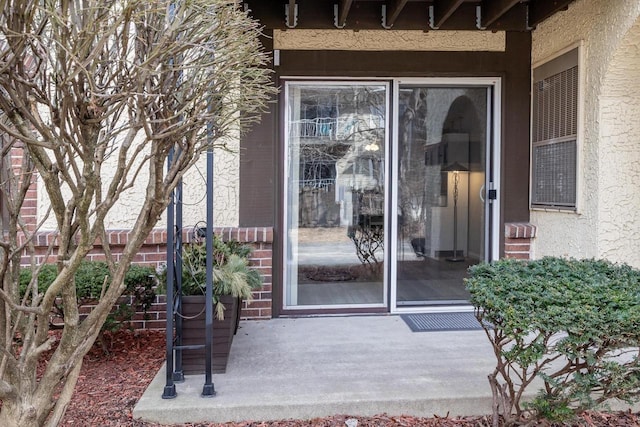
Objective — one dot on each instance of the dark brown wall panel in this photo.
(257, 167)
(515, 144)
(389, 64)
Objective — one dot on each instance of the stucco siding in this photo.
(600, 26)
(619, 204)
(381, 40)
(125, 212)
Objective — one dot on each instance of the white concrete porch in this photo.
(312, 367)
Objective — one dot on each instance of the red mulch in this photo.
(111, 384)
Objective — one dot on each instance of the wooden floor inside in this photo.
(422, 281)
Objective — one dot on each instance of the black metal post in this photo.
(209, 390)
(178, 373)
(170, 387)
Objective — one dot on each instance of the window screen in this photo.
(554, 132)
(554, 174)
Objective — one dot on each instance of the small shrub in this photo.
(89, 279)
(574, 324)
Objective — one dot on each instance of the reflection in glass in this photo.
(335, 136)
(441, 174)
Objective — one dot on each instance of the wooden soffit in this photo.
(480, 15)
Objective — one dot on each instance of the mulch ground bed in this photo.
(111, 383)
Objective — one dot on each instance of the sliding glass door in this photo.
(441, 208)
(387, 211)
(335, 196)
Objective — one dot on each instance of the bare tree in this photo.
(85, 84)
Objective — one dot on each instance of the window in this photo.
(555, 132)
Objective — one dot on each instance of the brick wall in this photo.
(153, 254)
(154, 318)
(517, 239)
(261, 238)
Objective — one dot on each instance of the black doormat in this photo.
(427, 322)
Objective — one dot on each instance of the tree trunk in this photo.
(17, 413)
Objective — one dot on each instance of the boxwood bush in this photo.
(139, 294)
(572, 324)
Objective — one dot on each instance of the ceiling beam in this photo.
(343, 12)
(539, 11)
(365, 15)
(493, 10)
(443, 9)
(291, 18)
(394, 7)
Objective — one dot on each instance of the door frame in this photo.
(492, 182)
(492, 179)
(286, 284)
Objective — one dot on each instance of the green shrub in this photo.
(89, 279)
(574, 324)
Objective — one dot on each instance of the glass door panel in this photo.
(442, 152)
(335, 194)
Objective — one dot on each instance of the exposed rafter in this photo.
(343, 11)
(449, 15)
(495, 9)
(291, 14)
(443, 9)
(539, 11)
(393, 9)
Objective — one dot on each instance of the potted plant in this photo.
(233, 281)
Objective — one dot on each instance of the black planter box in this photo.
(193, 332)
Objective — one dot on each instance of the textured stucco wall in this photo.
(619, 153)
(389, 40)
(601, 26)
(226, 189)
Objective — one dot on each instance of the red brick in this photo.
(155, 257)
(517, 255)
(265, 313)
(518, 241)
(510, 247)
(260, 304)
(158, 307)
(250, 312)
(262, 253)
(265, 262)
(520, 230)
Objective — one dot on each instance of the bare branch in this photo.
(99, 94)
